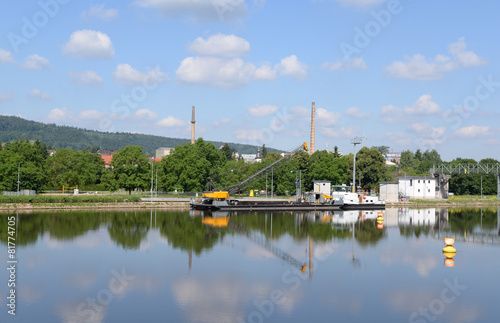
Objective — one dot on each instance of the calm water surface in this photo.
(159, 266)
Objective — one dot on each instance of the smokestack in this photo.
(192, 127)
(313, 127)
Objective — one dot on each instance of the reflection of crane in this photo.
(264, 243)
(216, 193)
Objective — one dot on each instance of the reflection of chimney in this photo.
(313, 127)
(192, 127)
(311, 252)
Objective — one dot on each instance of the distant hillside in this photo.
(56, 137)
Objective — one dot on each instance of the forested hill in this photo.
(56, 137)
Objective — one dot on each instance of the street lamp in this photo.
(18, 176)
(296, 185)
(152, 173)
(355, 141)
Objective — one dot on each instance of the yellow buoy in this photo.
(449, 242)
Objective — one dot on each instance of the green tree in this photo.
(32, 158)
(189, 166)
(371, 164)
(226, 151)
(264, 151)
(324, 166)
(130, 170)
(68, 167)
(384, 150)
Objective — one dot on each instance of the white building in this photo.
(163, 151)
(417, 187)
(322, 187)
(389, 191)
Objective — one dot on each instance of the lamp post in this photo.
(355, 141)
(18, 176)
(296, 186)
(481, 187)
(156, 187)
(300, 181)
(152, 173)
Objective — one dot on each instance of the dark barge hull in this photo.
(283, 206)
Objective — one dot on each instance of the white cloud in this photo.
(171, 122)
(300, 111)
(473, 131)
(196, 10)
(89, 44)
(391, 114)
(426, 130)
(262, 110)
(37, 94)
(87, 77)
(35, 62)
(91, 115)
(462, 57)
(222, 122)
(125, 74)
(417, 67)
(145, 114)
(249, 134)
(6, 56)
(361, 3)
(326, 117)
(424, 105)
(4, 96)
(57, 114)
(346, 64)
(291, 66)
(220, 45)
(343, 132)
(98, 11)
(215, 71)
(357, 113)
(265, 73)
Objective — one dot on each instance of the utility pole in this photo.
(355, 141)
(156, 188)
(18, 176)
(152, 173)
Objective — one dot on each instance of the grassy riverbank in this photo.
(47, 202)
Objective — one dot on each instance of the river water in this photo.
(182, 266)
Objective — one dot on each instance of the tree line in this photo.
(188, 167)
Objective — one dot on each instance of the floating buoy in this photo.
(449, 242)
(380, 214)
(449, 262)
(380, 225)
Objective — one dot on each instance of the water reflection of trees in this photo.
(188, 233)
(466, 219)
(367, 233)
(129, 229)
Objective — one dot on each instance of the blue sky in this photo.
(405, 74)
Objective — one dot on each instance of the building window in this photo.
(429, 190)
(411, 182)
(419, 181)
(429, 181)
(419, 190)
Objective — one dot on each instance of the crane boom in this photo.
(239, 186)
(226, 192)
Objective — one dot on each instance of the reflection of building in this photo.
(417, 217)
